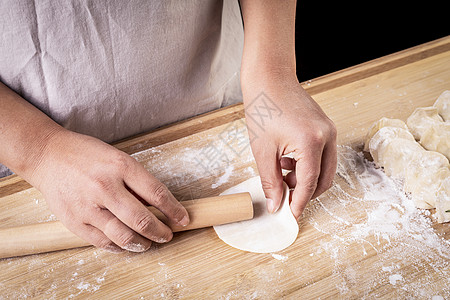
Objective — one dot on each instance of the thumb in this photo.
(271, 178)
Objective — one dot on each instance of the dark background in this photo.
(333, 35)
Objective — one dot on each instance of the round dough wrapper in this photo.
(266, 232)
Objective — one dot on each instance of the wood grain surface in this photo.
(205, 155)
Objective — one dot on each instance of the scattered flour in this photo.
(208, 159)
(364, 211)
(372, 213)
(83, 286)
(224, 178)
(280, 257)
(394, 278)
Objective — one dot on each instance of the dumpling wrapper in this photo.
(266, 232)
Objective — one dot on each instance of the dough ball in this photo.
(422, 119)
(383, 122)
(443, 105)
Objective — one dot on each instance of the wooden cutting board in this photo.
(204, 156)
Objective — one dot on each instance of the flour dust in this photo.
(367, 213)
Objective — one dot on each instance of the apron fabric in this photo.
(113, 69)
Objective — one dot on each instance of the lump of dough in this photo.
(437, 138)
(422, 119)
(443, 105)
(383, 122)
(443, 198)
(424, 176)
(266, 232)
(382, 138)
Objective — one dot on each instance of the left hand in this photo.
(282, 120)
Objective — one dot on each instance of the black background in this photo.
(333, 35)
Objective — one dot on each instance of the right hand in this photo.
(98, 193)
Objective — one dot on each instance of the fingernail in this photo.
(185, 221)
(164, 239)
(135, 247)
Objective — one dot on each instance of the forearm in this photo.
(97, 191)
(269, 39)
(24, 133)
(295, 124)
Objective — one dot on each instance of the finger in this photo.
(93, 236)
(328, 169)
(97, 238)
(137, 217)
(269, 168)
(287, 163)
(120, 234)
(307, 173)
(291, 179)
(150, 189)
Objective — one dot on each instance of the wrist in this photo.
(261, 64)
(265, 77)
(267, 66)
(38, 152)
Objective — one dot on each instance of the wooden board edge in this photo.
(181, 129)
(376, 66)
(12, 184)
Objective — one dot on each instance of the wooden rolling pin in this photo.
(53, 236)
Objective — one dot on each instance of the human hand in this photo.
(282, 118)
(99, 192)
